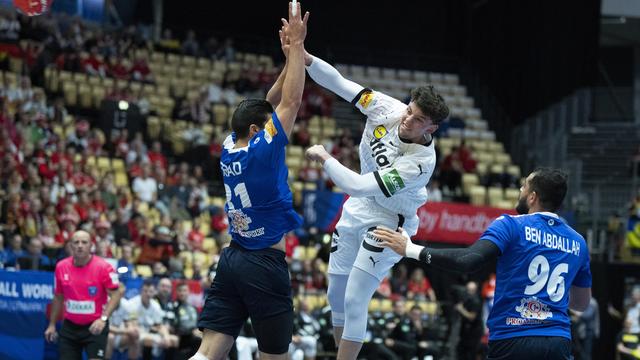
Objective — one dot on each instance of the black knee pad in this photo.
(274, 333)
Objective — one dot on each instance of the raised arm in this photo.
(275, 93)
(293, 83)
(328, 77)
(464, 260)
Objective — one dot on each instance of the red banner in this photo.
(455, 223)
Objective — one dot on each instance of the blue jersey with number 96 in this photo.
(259, 203)
(542, 257)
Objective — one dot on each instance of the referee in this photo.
(83, 282)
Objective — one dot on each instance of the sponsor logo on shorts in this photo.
(379, 131)
(365, 99)
(532, 308)
(80, 307)
(373, 261)
(392, 181)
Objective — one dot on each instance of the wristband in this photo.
(413, 250)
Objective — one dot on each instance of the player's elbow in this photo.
(579, 298)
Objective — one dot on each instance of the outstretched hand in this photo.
(295, 28)
(394, 240)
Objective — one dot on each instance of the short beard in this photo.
(522, 208)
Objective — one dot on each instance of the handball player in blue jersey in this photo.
(252, 278)
(542, 271)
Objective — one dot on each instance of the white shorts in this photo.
(353, 244)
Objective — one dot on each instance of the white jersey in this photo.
(121, 314)
(401, 169)
(147, 316)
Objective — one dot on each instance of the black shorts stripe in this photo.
(357, 97)
(334, 249)
(371, 247)
(400, 220)
(381, 184)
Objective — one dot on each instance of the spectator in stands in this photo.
(125, 266)
(124, 333)
(190, 44)
(471, 328)
(153, 333)
(4, 252)
(168, 42)
(587, 325)
(201, 109)
(156, 156)
(34, 259)
(402, 333)
(163, 296)
(158, 248)
(94, 64)
(419, 286)
(103, 249)
(628, 343)
(227, 52)
(301, 135)
(214, 91)
(309, 172)
(435, 194)
(146, 187)
(399, 280)
(186, 318)
(15, 251)
(451, 172)
(9, 27)
(140, 70)
(306, 328)
(633, 313)
(196, 237)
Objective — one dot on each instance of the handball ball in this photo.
(33, 7)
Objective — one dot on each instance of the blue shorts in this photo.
(530, 348)
(255, 284)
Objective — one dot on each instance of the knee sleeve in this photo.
(360, 288)
(335, 296)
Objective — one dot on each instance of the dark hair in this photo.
(148, 283)
(250, 111)
(551, 186)
(181, 284)
(416, 307)
(430, 102)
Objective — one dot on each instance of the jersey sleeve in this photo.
(109, 277)
(500, 232)
(269, 144)
(58, 281)
(583, 276)
(378, 107)
(408, 172)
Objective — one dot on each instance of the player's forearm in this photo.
(114, 300)
(349, 181)
(275, 93)
(293, 83)
(329, 78)
(465, 260)
(56, 306)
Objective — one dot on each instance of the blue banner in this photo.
(24, 297)
(322, 208)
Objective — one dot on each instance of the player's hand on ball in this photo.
(317, 153)
(393, 240)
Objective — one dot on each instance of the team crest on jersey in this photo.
(93, 290)
(239, 221)
(532, 308)
(379, 132)
(365, 99)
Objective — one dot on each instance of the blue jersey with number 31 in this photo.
(259, 203)
(542, 257)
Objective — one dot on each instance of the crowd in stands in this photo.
(162, 222)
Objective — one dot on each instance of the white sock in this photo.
(199, 356)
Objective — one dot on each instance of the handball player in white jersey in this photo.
(397, 158)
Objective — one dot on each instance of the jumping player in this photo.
(397, 158)
(252, 278)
